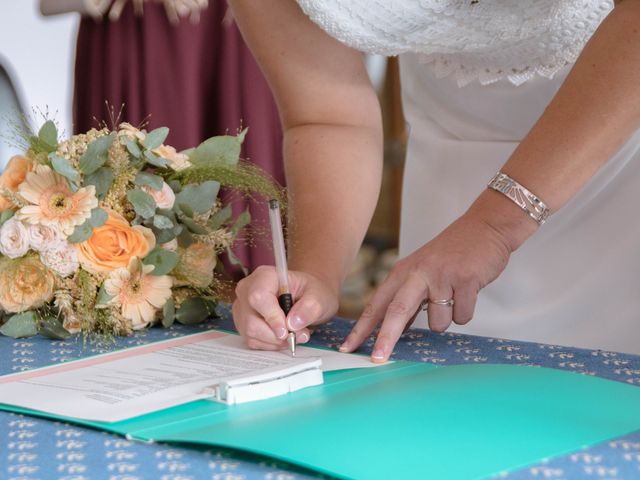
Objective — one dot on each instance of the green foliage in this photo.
(142, 202)
(219, 218)
(244, 177)
(242, 221)
(63, 167)
(153, 159)
(96, 155)
(233, 260)
(222, 150)
(21, 325)
(195, 310)
(83, 232)
(162, 222)
(153, 181)
(6, 215)
(193, 226)
(47, 139)
(168, 313)
(51, 327)
(103, 297)
(198, 198)
(102, 179)
(163, 260)
(155, 138)
(132, 146)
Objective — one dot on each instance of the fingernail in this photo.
(378, 354)
(281, 332)
(344, 348)
(295, 323)
(302, 338)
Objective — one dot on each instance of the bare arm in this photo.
(332, 133)
(333, 162)
(595, 110)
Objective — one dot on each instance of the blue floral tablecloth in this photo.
(32, 448)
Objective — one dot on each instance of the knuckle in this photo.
(256, 298)
(251, 330)
(313, 307)
(368, 311)
(253, 344)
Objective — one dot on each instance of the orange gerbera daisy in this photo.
(52, 203)
(141, 295)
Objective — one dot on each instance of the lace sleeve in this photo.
(484, 39)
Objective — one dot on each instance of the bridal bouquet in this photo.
(111, 231)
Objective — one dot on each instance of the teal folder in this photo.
(407, 420)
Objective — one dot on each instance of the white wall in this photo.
(39, 52)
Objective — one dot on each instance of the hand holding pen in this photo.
(260, 318)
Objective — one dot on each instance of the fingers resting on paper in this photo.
(445, 275)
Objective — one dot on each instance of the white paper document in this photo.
(135, 381)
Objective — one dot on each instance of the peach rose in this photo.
(113, 244)
(25, 284)
(14, 174)
(177, 161)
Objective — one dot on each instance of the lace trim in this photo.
(487, 41)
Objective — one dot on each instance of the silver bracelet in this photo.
(519, 195)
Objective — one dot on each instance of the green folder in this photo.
(407, 420)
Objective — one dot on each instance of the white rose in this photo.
(62, 258)
(171, 245)
(14, 239)
(165, 198)
(42, 237)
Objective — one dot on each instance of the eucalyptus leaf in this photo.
(220, 217)
(20, 325)
(132, 146)
(149, 179)
(81, 233)
(163, 260)
(63, 167)
(153, 159)
(142, 202)
(96, 155)
(195, 310)
(233, 260)
(51, 327)
(185, 209)
(6, 215)
(155, 138)
(48, 134)
(200, 198)
(242, 221)
(185, 238)
(103, 297)
(193, 226)
(221, 150)
(101, 179)
(98, 217)
(163, 235)
(162, 222)
(168, 313)
(165, 212)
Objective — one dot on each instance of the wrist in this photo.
(507, 219)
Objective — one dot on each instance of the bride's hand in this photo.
(456, 264)
(259, 318)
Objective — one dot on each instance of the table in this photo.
(32, 448)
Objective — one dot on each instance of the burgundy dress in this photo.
(199, 80)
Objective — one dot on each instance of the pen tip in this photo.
(292, 343)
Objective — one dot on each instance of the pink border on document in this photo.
(110, 357)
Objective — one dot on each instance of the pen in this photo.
(284, 295)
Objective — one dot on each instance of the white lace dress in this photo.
(476, 75)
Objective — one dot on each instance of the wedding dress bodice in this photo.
(485, 40)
